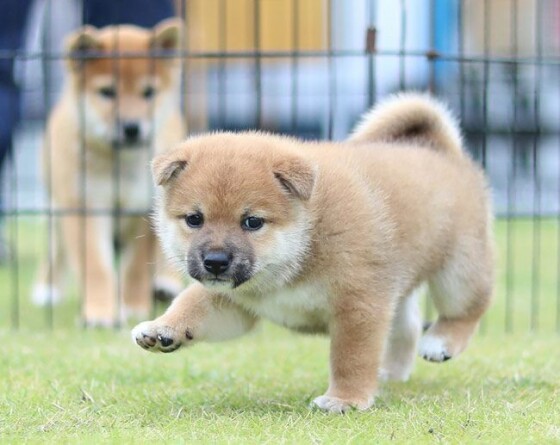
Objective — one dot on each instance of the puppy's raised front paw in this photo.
(336, 405)
(156, 337)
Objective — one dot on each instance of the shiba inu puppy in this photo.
(330, 237)
(119, 107)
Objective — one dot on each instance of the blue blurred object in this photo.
(144, 13)
(12, 26)
(445, 35)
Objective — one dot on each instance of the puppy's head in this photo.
(124, 80)
(233, 209)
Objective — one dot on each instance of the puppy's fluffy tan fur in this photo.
(350, 231)
(85, 151)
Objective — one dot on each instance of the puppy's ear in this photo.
(79, 44)
(297, 176)
(168, 34)
(167, 167)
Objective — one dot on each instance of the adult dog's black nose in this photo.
(131, 131)
(216, 262)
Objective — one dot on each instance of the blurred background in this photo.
(310, 68)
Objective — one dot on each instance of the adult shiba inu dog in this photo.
(119, 107)
(330, 237)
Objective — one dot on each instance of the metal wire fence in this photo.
(309, 68)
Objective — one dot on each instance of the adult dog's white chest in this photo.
(304, 307)
(125, 183)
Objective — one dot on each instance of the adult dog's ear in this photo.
(168, 166)
(168, 34)
(79, 44)
(297, 176)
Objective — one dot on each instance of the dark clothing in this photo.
(12, 26)
(144, 13)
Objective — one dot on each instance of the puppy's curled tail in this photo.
(411, 117)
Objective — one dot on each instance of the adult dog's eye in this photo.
(107, 92)
(149, 92)
(252, 223)
(194, 220)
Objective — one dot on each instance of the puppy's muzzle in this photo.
(216, 262)
(220, 266)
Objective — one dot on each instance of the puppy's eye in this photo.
(252, 223)
(194, 220)
(149, 92)
(107, 92)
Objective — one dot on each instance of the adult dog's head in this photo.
(233, 209)
(123, 80)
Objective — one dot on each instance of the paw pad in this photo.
(149, 341)
(165, 341)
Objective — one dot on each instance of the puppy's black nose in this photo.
(131, 131)
(216, 262)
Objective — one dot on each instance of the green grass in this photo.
(67, 385)
(92, 387)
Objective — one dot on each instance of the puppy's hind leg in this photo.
(461, 292)
(400, 351)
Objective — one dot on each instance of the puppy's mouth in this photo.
(216, 281)
(231, 280)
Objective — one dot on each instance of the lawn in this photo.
(93, 387)
(69, 385)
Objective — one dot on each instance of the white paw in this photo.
(433, 349)
(44, 295)
(154, 337)
(339, 406)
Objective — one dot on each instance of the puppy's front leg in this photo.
(358, 332)
(195, 315)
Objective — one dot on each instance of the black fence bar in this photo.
(402, 45)
(116, 188)
(222, 74)
(536, 251)
(257, 55)
(511, 181)
(331, 66)
(48, 149)
(371, 48)
(343, 53)
(294, 92)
